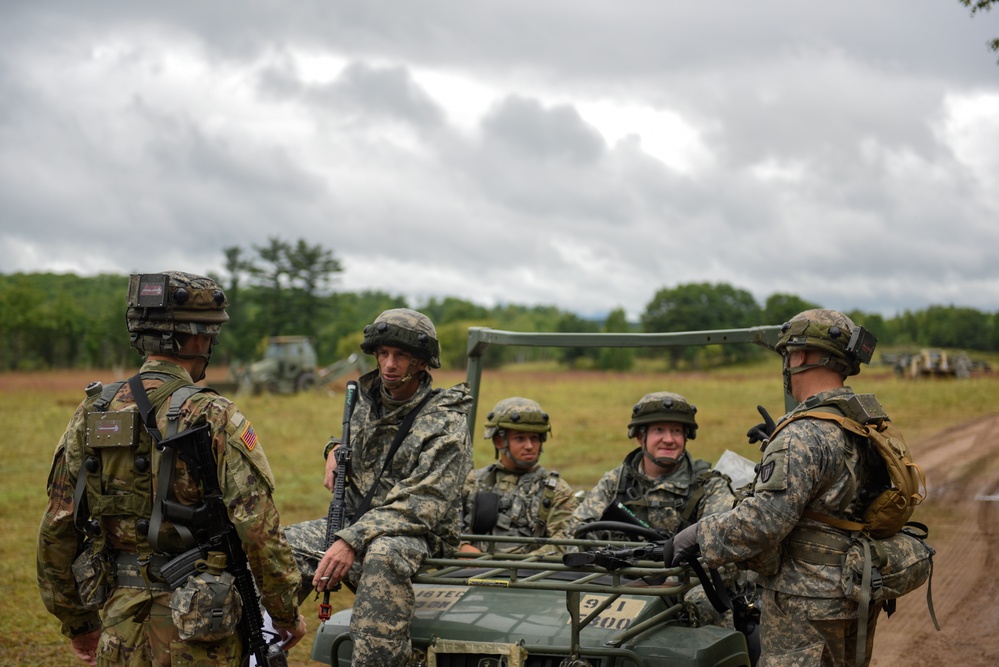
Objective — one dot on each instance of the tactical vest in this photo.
(114, 490)
(521, 512)
(630, 494)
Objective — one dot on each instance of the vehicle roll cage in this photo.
(480, 338)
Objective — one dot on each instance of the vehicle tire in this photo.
(306, 381)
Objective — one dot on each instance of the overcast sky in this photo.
(580, 154)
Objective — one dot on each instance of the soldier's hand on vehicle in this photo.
(685, 545)
(762, 431)
(85, 646)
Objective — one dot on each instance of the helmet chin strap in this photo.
(207, 356)
(665, 462)
(787, 371)
(520, 465)
(395, 384)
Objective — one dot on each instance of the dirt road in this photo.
(962, 511)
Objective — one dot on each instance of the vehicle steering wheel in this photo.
(629, 529)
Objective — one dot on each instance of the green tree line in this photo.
(51, 321)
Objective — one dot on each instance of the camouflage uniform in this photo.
(414, 513)
(669, 502)
(522, 504)
(662, 503)
(814, 465)
(137, 625)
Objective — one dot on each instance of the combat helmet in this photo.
(518, 414)
(845, 345)
(406, 329)
(663, 406)
(163, 304)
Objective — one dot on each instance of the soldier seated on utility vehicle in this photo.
(516, 496)
(660, 488)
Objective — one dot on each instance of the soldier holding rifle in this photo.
(410, 454)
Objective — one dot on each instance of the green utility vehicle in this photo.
(621, 607)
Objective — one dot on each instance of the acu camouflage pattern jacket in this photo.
(812, 464)
(659, 502)
(420, 492)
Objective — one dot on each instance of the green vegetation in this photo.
(982, 6)
(589, 409)
(51, 321)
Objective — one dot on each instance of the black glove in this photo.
(764, 430)
(668, 553)
(685, 545)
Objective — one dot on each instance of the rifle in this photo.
(614, 559)
(336, 518)
(213, 531)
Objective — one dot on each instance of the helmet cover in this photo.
(517, 414)
(405, 329)
(172, 302)
(822, 329)
(663, 406)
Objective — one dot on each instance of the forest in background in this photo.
(53, 321)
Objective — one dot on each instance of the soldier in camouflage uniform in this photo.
(415, 510)
(659, 484)
(102, 541)
(516, 496)
(811, 468)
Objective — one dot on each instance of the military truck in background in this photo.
(934, 363)
(288, 366)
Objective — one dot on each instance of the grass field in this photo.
(589, 410)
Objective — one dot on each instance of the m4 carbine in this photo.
(336, 519)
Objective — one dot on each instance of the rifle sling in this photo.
(714, 587)
(169, 456)
(404, 428)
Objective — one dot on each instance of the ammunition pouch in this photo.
(93, 576)
(898, 565)
(207, 607)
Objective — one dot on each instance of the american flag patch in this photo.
(249, 437)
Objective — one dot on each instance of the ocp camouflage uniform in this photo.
(415, 512)
(812, 465)
(535, 503)
(136, 618)
(667, 503)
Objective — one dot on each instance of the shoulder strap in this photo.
(846, 424)
(702, 473)
(404, 428)
(107, 395)
(147, 405)
(178, 390)
(625, 481)
(547, 496)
